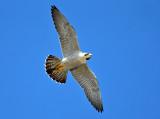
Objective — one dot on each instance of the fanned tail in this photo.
(51, 68)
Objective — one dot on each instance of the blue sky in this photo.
(124, 38)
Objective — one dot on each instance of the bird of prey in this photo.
(73, 60)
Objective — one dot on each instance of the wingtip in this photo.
(100, 110)
(53, 7)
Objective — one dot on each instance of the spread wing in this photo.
(88, 81)
(67, 34)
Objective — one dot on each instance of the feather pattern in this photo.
(88, 81)
(51, 63)
(67, 34)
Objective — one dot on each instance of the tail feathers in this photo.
(59, 76)
(51, 63)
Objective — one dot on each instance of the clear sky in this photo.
(122, 35)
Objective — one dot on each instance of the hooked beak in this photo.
(90, 55)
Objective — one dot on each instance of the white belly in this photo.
(73, 61)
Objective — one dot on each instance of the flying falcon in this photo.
(73, 60)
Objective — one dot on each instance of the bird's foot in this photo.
(59, 67)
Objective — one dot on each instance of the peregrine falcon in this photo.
(73, 60)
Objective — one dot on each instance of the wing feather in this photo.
(88, 81)
(67, 34)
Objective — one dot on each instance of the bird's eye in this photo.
(86, 54)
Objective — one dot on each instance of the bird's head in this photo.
(88, 56)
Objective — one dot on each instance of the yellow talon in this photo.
(59, 67)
